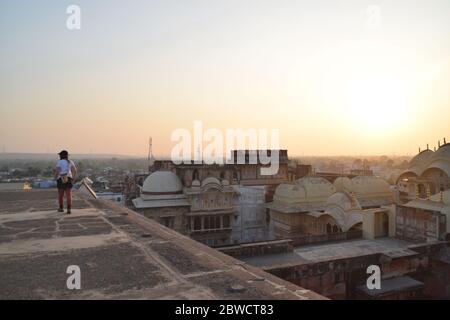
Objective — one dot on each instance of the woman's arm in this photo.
(57, 171)
(74, 171)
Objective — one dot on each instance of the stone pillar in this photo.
(368, 225)
(392, 220)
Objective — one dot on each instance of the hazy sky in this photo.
(335, 77)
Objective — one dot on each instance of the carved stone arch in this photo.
(327, 221)
(356, 226)
(339, 216)
(195, 175)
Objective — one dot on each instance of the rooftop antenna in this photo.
(150, 152)
(439, 143)
(445, 141)
(149, 148)
(419, 149)
(428, 147)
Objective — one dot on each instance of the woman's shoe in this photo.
(60, 210)
(68, 211)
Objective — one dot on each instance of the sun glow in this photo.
(377, 103)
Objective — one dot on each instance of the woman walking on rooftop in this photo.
(65, 175)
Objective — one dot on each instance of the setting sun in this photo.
(377, 103)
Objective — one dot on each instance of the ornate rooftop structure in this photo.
(307, 192)
(428, 160)
(427, 174)
(313, 205)
(369, 190)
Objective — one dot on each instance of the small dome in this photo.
(195, 184)
(442, 153)
(211, 181)
(421, 158)
(160, 182)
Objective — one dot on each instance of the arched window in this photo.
(329, 228)
(195, 175)
(421, 190)
(197, 223)
(206, 223)
(226, 221)
(335, 229)
(217, 224)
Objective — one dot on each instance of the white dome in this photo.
(195, 184)
(162, 182)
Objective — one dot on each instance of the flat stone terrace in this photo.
(348, 249)
(121, 255)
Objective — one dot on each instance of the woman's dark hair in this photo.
(63, 154)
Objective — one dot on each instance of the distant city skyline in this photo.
(336, 78)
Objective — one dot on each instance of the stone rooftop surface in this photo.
(392, 285)
(331, 251)
(121, 255)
